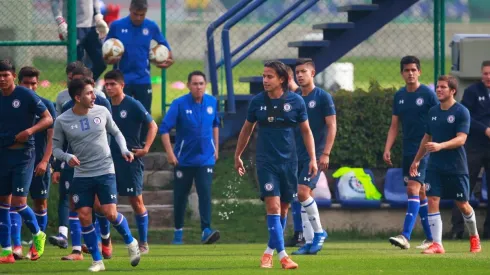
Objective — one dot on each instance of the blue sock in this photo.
(411, 215)
(90, 238)
(63, 211)
(29, 218)
(104, 225)
(283, 222)
(142, 223)
(298, 223)
(275, 232)
(5, 225)
(97, 229)
(423, 213)
(75, 229)
(15, 228)
(42, 219)
(121, 225)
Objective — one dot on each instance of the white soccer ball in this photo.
(158, 52)
(112, 48)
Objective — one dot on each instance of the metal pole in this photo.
(72, 31)
(443, 36)
(436, 39)
(164, 71)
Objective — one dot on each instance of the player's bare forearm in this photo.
(49, 145)
(45, 121)
(454, 143)
(392, 133)
(216, 139)
(150, 135)
(331, 122)
(422, 150)
(243, 138)
(308, 139)
(167, 145)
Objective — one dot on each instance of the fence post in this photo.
(72, 31)
(164, 71)
(437, 18)
(442, 22)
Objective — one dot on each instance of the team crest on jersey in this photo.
(419, 101)
(210, 110)
(97, 120)
(356, 185)
(450, 119)
(67, 185)
(146, 31)
(405, 179)
(287, 107)
(63, 165)
(312, 104)
(123, 114)
(16, 103)
(270, 119)
(427, 186)
(268, 186)
(179, 174)
(75, 198)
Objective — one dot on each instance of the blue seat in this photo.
(357, 203)
(395, 191)
(484, 188)
(323, 203)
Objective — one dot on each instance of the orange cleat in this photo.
(85, 248)
(287, 263)
(7, 257)
(107, 250)
(435, 248)
(34, 254)
(475, 245)
(266, 261)
(73, 257)
(18, 255)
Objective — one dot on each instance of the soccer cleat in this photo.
(318, 240)
(134, 253)
(209, 236)
(266, 261)
(178, 236)
(7, 257)
(37, 248)
(304, 250)
(58, 241)
(144, 248)
(435, 248)
(287, 263)
(425, 244)
(296, 240)
(85, 248)
(18, 255)
(400, 241)
(475, 245)
(107, 250)
(74, 256)
(97, 266)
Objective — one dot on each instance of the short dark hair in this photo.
(139, 5)
(73, 65)
(452, 82)
(86, 72)
(115, 75)
(195, 73)
(485, 63)
(281, 70)
(28, 72)
(305, 61)
(409, 59)
(76, 86)
(6, 65)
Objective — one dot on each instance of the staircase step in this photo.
(153, 197)
(291, 62)
(156, 161)
(158, 180)
(308, 48)
(160, 215)
(332, 31)
(251, 79)
(355, 12)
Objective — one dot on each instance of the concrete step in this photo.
(153, 197)
(157, 161)
(158, 180)
(160, 215)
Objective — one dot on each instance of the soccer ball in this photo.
(158, 52)
(112, 48)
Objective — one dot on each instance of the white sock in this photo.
(63, 230)
(105, 237)
(312, 210)
(307, 229)
(269, 251)
(470, 222)
(77, 248)
(435, 223)
(8, 248)
(282, 254)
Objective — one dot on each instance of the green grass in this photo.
(337, 258)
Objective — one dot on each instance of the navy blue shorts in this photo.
(66, 179)
(40, 185)
(407, 162)
(140, 92)
(448, 186)
(303, 176)
(83, 190)
(278, 180)
(17, 167)
(129, 176)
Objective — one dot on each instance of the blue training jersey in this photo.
(411, 109)
(443, 125)
(276, 139)
(129, 116)
(18, 112)
(135, 64)
(41, 138)
(194, 124)
(319, 104)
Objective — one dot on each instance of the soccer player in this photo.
(130, 115)
(195, 118)
(323, 123)
(410, 107)
(448, 125)
(85, 128)
(91, 28)
(293, 87)
(20, 106)
(278, 112)
(39, 189)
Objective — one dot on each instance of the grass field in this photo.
(336, 258)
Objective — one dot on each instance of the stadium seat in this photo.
(395, 191)
(484, 188)
(357, 203)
